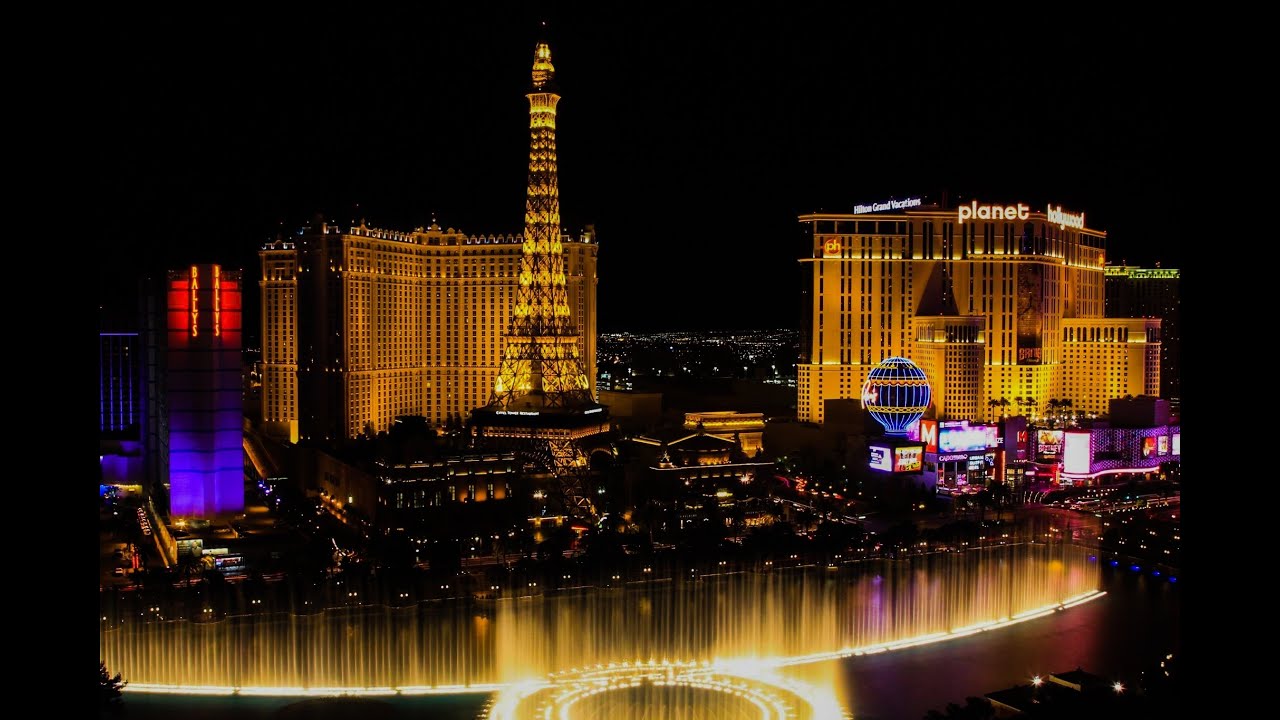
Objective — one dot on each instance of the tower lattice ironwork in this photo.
(542, 399)
(541, 367)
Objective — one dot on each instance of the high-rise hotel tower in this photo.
(1002, 306)
(202, 382)
(361, 325)
(1153, 293)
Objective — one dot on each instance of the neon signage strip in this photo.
(217, 309)
(195, 312)
(890, 205)
(974, 211)
(719, 664)
(1114, 471)
(1064, 219)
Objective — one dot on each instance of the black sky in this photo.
(691, 141)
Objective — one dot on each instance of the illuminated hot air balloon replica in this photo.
(896, 393)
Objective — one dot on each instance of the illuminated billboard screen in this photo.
(192, 547)
(227, 564)
(1148, 447)
(1177, 443)
(1049, 442)
(1030, 280)
(960, 436)
(881, 459)
(1077, 453)
(1162, 445)
(908, 459)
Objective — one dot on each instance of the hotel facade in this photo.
(203, 390)
(1002, 306)
(361, 325)
(1152, 293)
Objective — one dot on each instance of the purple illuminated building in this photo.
(120, 407)
(206, 457)
(119, 383)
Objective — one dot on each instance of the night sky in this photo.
(690, 141)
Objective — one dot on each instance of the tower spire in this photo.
(544, 73)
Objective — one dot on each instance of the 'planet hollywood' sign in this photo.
(974, 211)
(1065, 220)
(890, 205)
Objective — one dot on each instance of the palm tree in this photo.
(1025, 403)
(997, 403)
(109, 687)
(1054, 404)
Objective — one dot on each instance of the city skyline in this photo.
(671, 122)
(447, 468)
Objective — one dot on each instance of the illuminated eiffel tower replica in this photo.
(542, 403)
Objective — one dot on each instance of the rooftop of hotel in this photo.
(1138, 273)
(974, 211)
(433, 234)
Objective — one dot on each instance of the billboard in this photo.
(1049, 442)
(1177, 443)
(1030, 312)
(908, 459)
(1015, 438)
(1162, 445)
(227, 564)
(960, 436)
(1148, 447)
(881, 459)
(1077, 453)
(193, 547)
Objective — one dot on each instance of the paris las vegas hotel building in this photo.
(363, 324)
(994, 302)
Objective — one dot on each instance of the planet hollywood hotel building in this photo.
(1000, 304)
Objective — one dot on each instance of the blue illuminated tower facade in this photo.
(206, 456)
